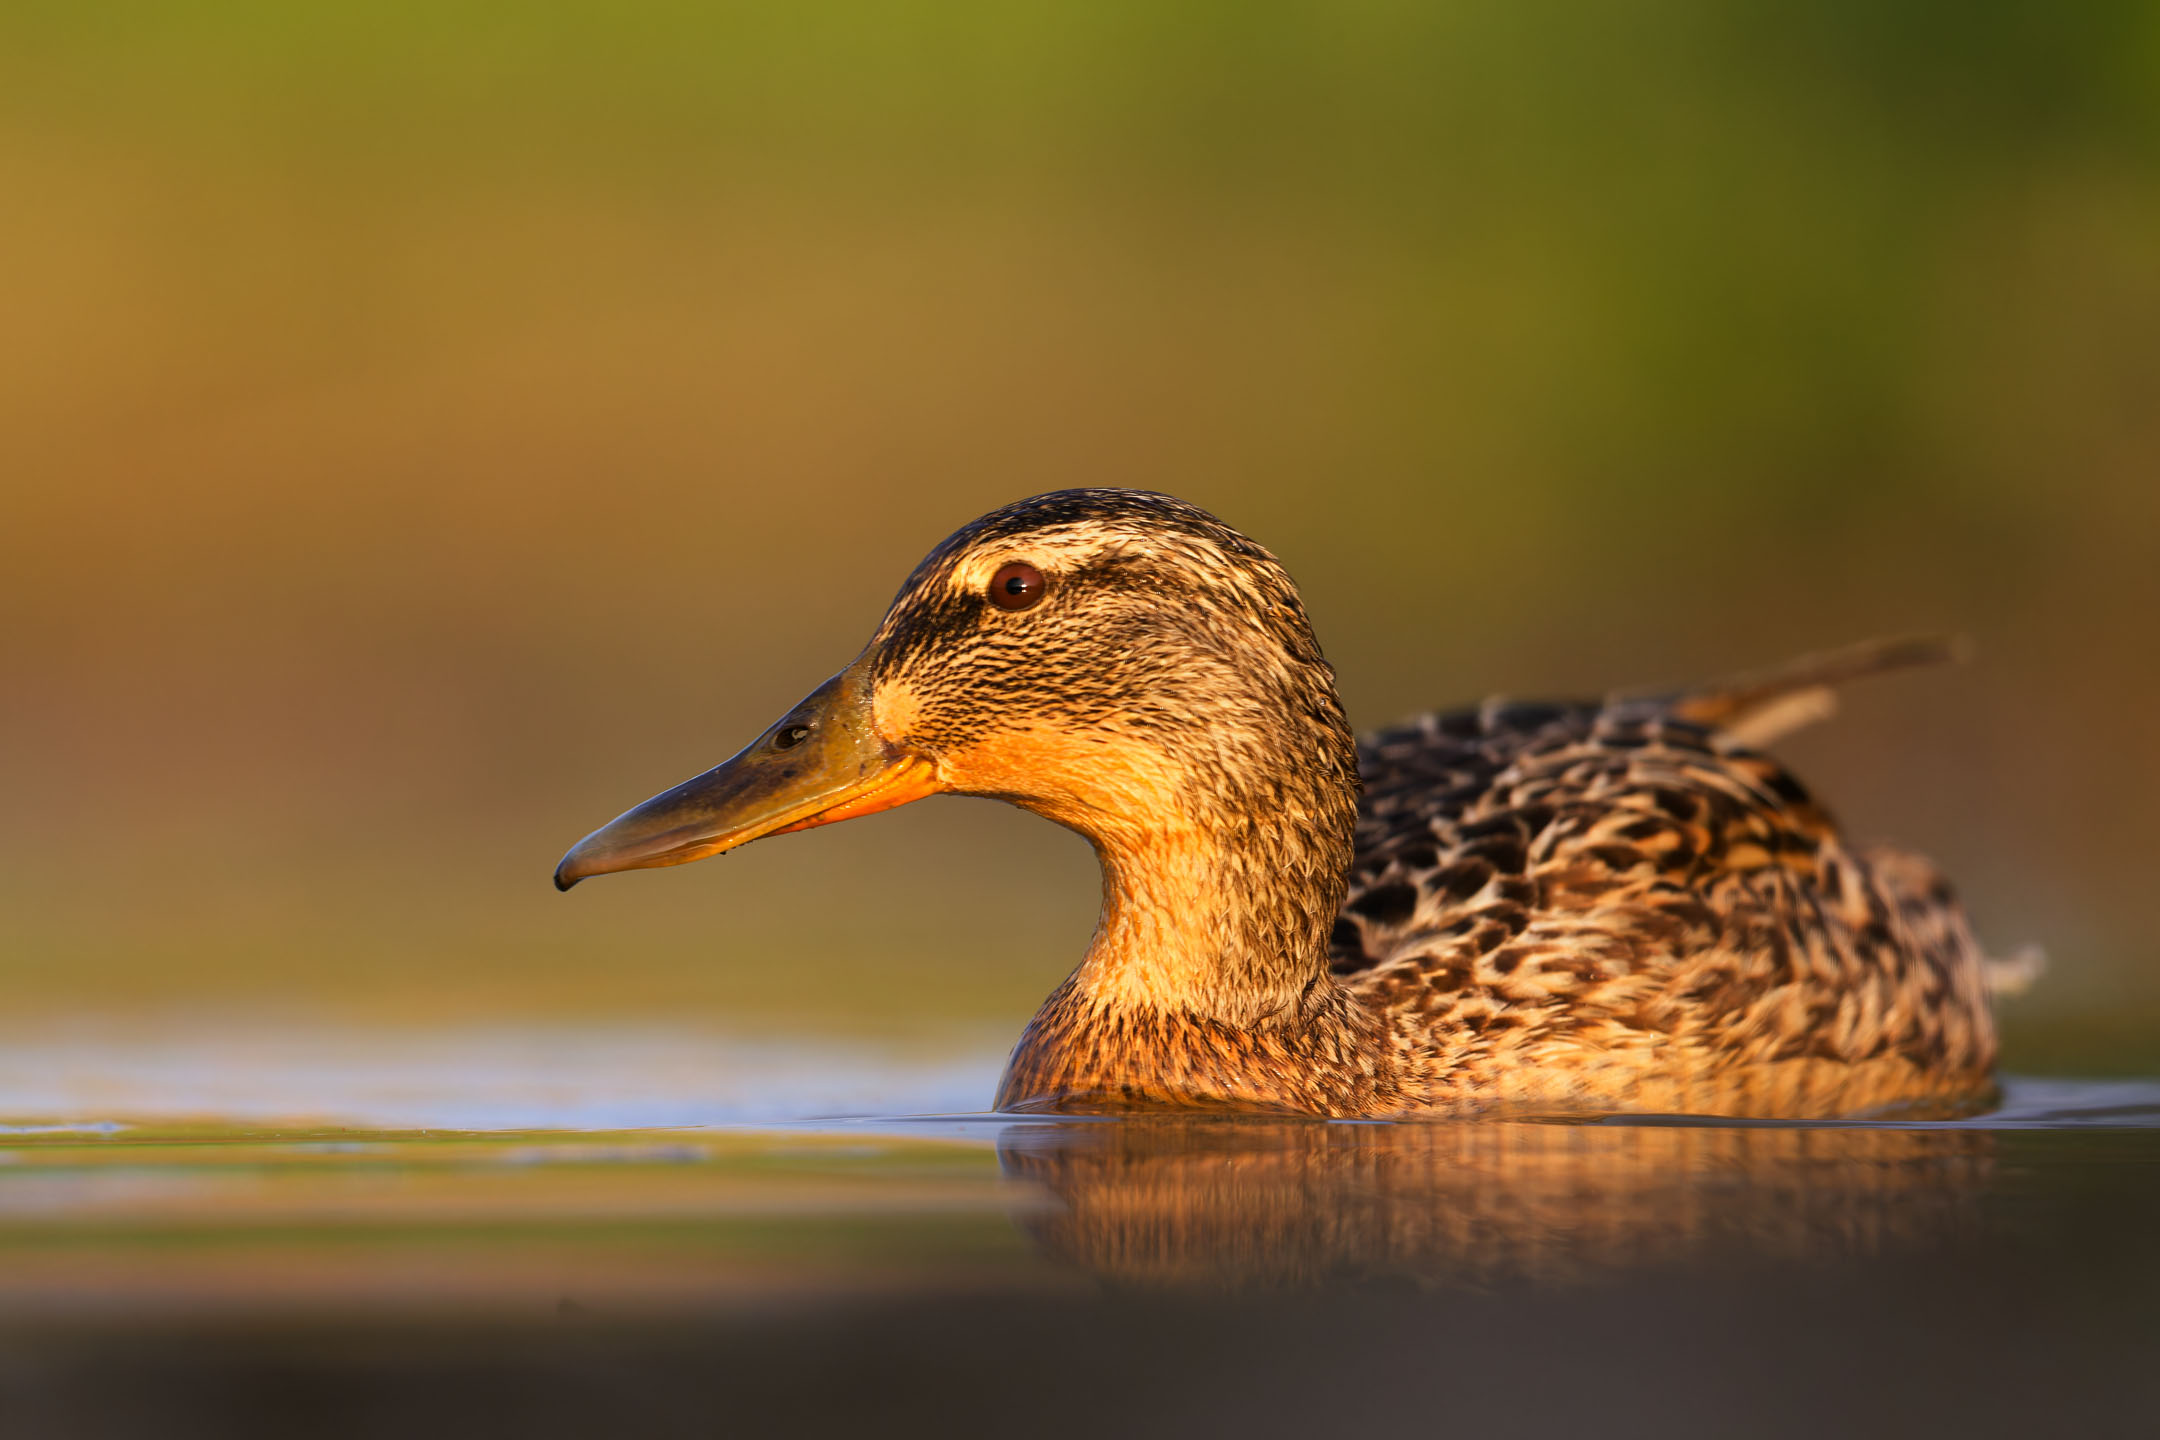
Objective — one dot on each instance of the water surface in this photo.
(554, 1229)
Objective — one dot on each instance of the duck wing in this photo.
(1630, 879)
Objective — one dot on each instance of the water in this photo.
(480, 1078)
(593, 1232)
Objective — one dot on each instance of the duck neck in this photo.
(1207, 984)
(1224, 923)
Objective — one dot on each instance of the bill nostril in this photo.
(787, 737)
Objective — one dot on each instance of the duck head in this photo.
(1118, 661)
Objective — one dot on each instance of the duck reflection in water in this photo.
(1182, 1201)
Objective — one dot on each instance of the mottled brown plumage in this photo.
(1601, 906)
(1606, 901)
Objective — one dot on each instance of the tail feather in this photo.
(1759, 707)
(2013, 974)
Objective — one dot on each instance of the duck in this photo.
(1619, 906)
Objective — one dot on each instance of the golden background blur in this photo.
(428, 429)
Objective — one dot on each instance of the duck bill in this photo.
(823, 761)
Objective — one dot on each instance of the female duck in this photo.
(1534, 907)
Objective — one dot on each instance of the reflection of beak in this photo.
(823, 762)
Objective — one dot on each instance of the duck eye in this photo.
(1017, 586)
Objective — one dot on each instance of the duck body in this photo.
(1595, 907)
(1572, 907)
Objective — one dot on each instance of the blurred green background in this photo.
(427, 429)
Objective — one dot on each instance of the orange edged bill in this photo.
(824, 761)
